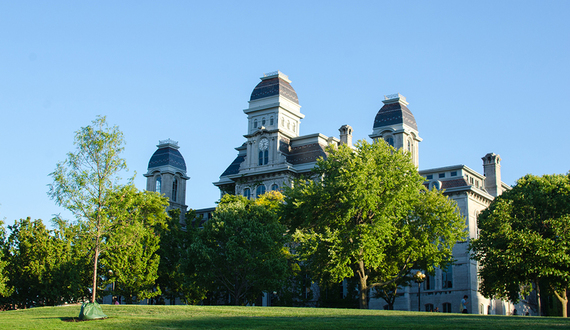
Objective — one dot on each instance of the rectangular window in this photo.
(429, 176)
(447, 277)
(429, 283)
(446, 307)
(454, 173)
(442, 175)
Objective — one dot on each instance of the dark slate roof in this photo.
(306, 153)
(454, 183)
(167, 156)
(234, 166)
(274, 86)
(395, 113)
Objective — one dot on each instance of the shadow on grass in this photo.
(331, 323)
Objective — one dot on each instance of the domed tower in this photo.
(395, 124)
(274, 118)
(167, 174)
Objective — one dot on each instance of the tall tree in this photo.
(524, 240)
(241, 249)
(43, 269)
(5, 289)
(176, 275)
(366, 213)
(83, 181)
(130, 256)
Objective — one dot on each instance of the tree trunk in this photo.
(538, 298)
(563, 300)
(94, 293)
(363, 304)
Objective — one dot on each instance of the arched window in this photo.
(282, 121)
(274, 187)
(429, 307)
(389, 140)
(260, 190)
(174, 189)
(294, 127)
(158, 184)
(255, 123)
(247, 193)
(409, 146)
(263, 121)
(271, 120)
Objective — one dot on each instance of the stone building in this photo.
(275, 152)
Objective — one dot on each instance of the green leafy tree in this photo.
(176, 274)
(241, 249)
(83, 181)
(130, 258)
(43, 265)
(524, 240)
(5, 289)
(368, 215)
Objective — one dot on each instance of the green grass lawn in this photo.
(274, 318)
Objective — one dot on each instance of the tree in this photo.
(42, 266)
(130, 256)
(5, 290)
(176, 274)
(524, 240)
(241, 249)
(366, 213)
(83, 181)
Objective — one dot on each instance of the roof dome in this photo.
(274, 83)
(167, 155)
(395, 111)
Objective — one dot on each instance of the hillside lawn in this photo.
(273, 318)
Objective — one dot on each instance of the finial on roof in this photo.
(168, 143)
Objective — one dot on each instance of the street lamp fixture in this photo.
(419, 277)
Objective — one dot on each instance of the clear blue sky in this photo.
(480, 76)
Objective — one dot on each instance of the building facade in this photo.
(274, 153)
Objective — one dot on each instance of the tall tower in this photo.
(274, 118)
(167, 175)
(395, 124)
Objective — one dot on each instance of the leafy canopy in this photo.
(524, 238)
(366, 213)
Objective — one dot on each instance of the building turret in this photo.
(395, 124)
(167, 175)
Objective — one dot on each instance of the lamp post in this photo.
(112, 285)
(419, 278)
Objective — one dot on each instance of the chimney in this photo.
(346, 135)
(492, 171)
